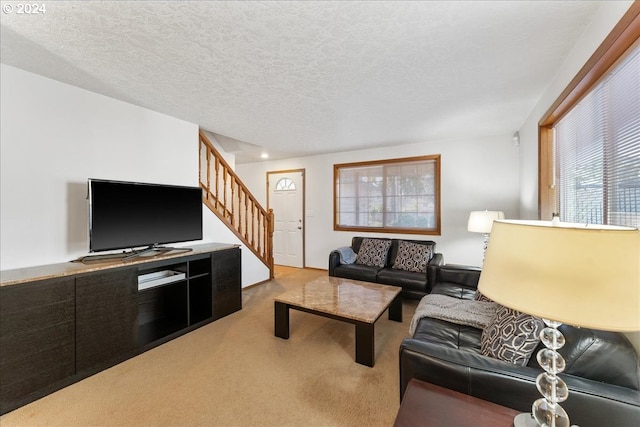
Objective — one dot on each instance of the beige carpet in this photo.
(235, 372)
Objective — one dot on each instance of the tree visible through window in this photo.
(399, 195)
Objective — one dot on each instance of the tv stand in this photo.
(61, 323)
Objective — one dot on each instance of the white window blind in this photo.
(597, 146)
(399, 194)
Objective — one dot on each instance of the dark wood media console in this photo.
(64, 322)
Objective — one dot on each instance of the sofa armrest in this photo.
(463, 275)
(436, 261)
(590, 403)
(334, 261)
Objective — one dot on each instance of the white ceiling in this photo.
(303, 78)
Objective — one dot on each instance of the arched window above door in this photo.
(285, 184)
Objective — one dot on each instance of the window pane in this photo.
(598, 151)
(580, 138)
(390, 194)
(285, 184)
(624, 174)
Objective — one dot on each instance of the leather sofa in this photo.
(602, 370)
(414, 285)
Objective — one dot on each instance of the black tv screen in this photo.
(125, 215)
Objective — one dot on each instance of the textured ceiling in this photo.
(302, 78)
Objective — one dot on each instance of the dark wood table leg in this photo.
(281, 325)
(365, 351)
(395, 309)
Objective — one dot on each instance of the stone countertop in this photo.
(50, 271)
(352, 299)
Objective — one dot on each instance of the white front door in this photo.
(286, 198)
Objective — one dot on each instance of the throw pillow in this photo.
(412, 257)
(511, 336)
(479, 297)
(373, 252)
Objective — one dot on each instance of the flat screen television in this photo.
(128, 215)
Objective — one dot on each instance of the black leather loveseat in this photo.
(602, 370)
(414, 284)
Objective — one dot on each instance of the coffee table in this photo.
(352, 301)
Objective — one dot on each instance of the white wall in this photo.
(53, 137)
(476, 174)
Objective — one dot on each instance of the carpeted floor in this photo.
(235, 372)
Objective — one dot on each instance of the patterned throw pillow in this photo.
(412, 257)
(479, 297)
(511, 336)
(373, 252)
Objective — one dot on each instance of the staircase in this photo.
(231, 201)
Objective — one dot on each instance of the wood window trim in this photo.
(620, 39)
(395, 230)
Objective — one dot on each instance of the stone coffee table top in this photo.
(351, 299)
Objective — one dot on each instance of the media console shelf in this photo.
(63, 322)
(159, 278)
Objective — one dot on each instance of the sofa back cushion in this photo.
(373, 252)
(411, 256)
(356, 242)
(602, 356)
(462, 275)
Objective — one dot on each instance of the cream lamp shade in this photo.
(586, 276)
(481, 221)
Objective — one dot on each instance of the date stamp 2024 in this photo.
(24, 8)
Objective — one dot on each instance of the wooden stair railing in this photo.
(231, 201)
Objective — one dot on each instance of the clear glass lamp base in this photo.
(547, 412)
(549, 415)
(526, 419)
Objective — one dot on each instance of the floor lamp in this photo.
(586, 276)
(481, 222)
